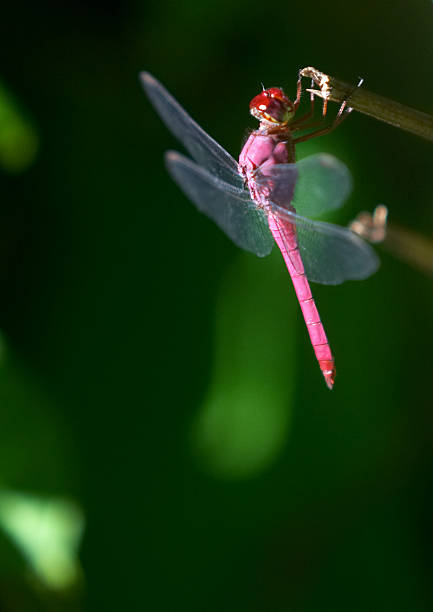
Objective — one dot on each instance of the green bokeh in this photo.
(119, 300)
(18, 139)
(245, 418)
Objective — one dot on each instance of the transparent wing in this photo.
(322, 184)
(204, 149)
(231, 208)
(330, 254)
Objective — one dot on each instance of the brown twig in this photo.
(369, 103)
(405, 244)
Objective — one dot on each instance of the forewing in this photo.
(330, 254)
(313, 186)
(204, 149)
(231, 208)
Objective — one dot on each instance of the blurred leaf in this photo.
(18, 138)
(47, 532)
(245, 418)
(36, 440)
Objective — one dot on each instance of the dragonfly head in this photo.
(272, 106)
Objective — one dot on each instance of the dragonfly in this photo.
(267, 198)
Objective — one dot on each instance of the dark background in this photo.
(164, 380)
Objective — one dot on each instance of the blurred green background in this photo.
(167, 441)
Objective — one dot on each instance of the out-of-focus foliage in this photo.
(245, 418)
(119, 305)
(47, 532)
(18, 139)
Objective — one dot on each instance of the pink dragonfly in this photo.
(263, 198)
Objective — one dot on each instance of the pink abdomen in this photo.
(284, 234)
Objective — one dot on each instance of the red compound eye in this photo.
(271, 105)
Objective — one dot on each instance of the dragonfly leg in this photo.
(343, 112)
(302, 126)
(305, 117)
(312, 96)
(298, 92)
(298, 101)
(325, 130)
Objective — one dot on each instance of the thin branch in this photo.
(405, 244)
(369, 103)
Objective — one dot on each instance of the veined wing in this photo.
(330, 254)
(204, 149)
(322, 184)
(231, 208)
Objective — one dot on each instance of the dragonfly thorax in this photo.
(272, 107)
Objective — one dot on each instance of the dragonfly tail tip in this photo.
(329, 376)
